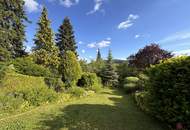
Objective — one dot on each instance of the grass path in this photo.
(109, 110)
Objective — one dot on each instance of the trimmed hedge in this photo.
(169, 91)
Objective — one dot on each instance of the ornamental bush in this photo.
(169, 91)
(131, 84)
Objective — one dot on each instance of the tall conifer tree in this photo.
(109, 75)
(12, 34)
(65, 38)
(45, 51)
(98, 58)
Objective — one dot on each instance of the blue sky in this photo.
(124, 26)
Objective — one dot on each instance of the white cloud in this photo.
(129, 22)
(137, 36)
(83, 51)
(81, 42)
(101, 44)
(179, 36)
(32, 6)
(182, 52)
(92, 45)
(68, 3)
(97, 7)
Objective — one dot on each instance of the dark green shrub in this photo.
(26, 66)
(169, 90)
(90, 81)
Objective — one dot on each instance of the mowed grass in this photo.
(108, 110)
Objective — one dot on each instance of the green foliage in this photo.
(55, 83)
(131, 84)
(169, 90)
(125, 71)
(76, 91)
(18, 90)
(4, 54)
(26, 66)
(96, 67)
(90, 81)
(45, 51)
(12, 34)
(65, 38)
(84, 65)
(141, 100)
(109, 75)
(70, 69)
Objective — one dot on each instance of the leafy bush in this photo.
(131, 84)
(26, 66)
(70, 69)
(55, 83)
(4, 54)
(169, 90)
(77, 91)
(17, 89)
(141, 100)
(90, 81)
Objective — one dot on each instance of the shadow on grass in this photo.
(123, 115)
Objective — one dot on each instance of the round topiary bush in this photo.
(169, 91)
(131, 84)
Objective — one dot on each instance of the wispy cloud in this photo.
(92, 45)
(101, 44)
(97, 7)
(66, 3)
(182, 52)
(32, 6)
(129, 22)
(177, 37)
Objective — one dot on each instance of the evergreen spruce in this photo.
(12, 34)
(65, 39)
(45, 51)
(109, 75)
(98, 58)
(99, 64)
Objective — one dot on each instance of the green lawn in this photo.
(109, 110)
